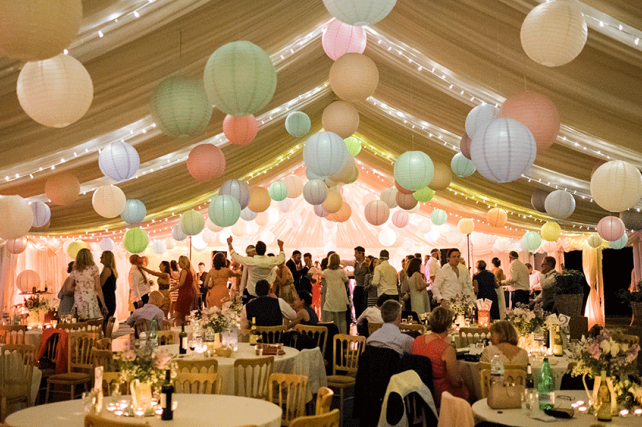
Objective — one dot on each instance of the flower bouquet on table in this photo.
(39, 310)
(529, 324)
(462, 305)
(216, 320)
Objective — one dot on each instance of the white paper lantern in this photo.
(325, 154)
(119, 161)
(191, 222)
(178, 234)
(27, 280)
(560, 204)
(503, 150)
(267, 237)
(16, 215)
(284, 205)
(106, 244)
(315, 192)
(329, 246)
(408, 245)
(329, 226)
(224, 234)
(294, 220)
(239, 228)
(434, 234)
(198, 243)
(298, 124)
(209, 237)
(616, 186)
(41, 214)
(294, 184)
(466, 225)
(247, 215)
(159, 247)
(480, 240)
(454, 237)
(55, 92)
(224, 210)
(438, 217)
(387, 237)
(414, 170)
(240, 190)
(554, 33)
(461, 166)
(424, 226)
(377, 212)
(400, 218)
(479, 117)
(134, 212)
(594, 240)
(211, 226)
(17, 246)
(359, 12)
(503, 244)
(389, 196)
(108, 201)
(170, 242)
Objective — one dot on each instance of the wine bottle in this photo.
(166, 397)
(182, 340)
(546, 387)
(558, 350)
(153, 334)
(253, 332)
(529, 386)
(604, 400)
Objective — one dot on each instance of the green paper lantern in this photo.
(135, 240)
(414, 170)
(240, 78)
(180, 107)
(461, 166)
(424, 195)
(298, 124)
(438, 217)
(531, 240)
(278, 191)
(224, 210)
(354, 145)
(192, 223)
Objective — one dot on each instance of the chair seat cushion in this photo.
(69, 378)
(340, 381)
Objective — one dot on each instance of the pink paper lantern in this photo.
(401, 189)
(464, 146)
(319, 211)
(205, 162)
(611, 228)
(548, 247)
(340, 38)
(17, 246)
(240, 130)
(537, 113)
(377, 212)
(400, 219)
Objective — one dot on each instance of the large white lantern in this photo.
(106, 244)
(359, 12)
(479, 117)
(454, 236)
(16, 215)
(387, 237)
(616, 186)
(159, 247)
(134, 212)
(377, 212)
(224, 210)
(554, 33)
(108, 201)
(41, 214)
(55, 92)
(325, 154)
(119, 161)
(27, 280)
(315, 192)
(560, 204)
(240, 190)
(414, 170)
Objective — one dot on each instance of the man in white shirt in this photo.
(260, 266)
(250, 251)
(385, 276)
(534, 279)
(549, 283)
(433, 265)
(389, 335)
(452, 280)
(518, 279)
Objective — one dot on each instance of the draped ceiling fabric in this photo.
(474, 43)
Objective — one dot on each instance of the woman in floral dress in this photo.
(86, 276)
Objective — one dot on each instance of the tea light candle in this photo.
(638, 412)
(624, 413)
(580, 402)
(118, 412)
(575, 405)
(112, 407)
(582, 409)
(139, 412)
(159, 411)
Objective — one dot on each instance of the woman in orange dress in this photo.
(216, 281)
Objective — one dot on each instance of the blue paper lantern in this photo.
(325, 154)
(237, 189)
(134, 211)
(224, 210)
(119, 161)
(461, 166)
(414, 170)
(298, 124)
(438, 217)
(531, 240)
(41, 214)
(620, 243)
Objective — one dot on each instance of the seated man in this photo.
(149, 311)
(389, 335)
(267, 310)
(373, 314)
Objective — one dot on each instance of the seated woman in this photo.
(436, 346)
(305, 314)
(503, 338)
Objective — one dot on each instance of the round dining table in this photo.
(191, 410)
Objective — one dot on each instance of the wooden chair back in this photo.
(103, 344)
(109, 327)
(81, 347)
(197, 383)
(330, 419)
(288, 392)
(12, 334)
(251, 376)
(73, 327)
(412, 327)
(468, 336)
(271, 334)
(513, 374)
(324, 400)
(244, 335)
(165, 325)
(111, 378)
(99, 421)
(167, 338)
(347, 350)
(372, 327)
(104, 358)
(95, 325)
(318, 333)
(16, 371)
(197, 366)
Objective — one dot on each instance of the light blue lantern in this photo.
(278, 191)
(438, 217)
(119, 161)
(325, 154)
(248, 215)
(41, 214)
(620, 243)
(298, 124)
(237, 189)
(192, 222)
(461, 166)
(224, 210)
(178, 234)
(414, 170)
(134, 212)
(531, 240)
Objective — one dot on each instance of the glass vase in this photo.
(141, 395)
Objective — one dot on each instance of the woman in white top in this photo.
(503, 337)
(336, 298)
(138, 283)
(88, 291)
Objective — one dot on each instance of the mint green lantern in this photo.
(224, 210)
(278, 191)
(531, 240)
(620, 243)
(438, 216)
(239, 78)
(354, 145)
(414, 170)
(192, 222)
(298, 124)
(461, 166)
(135, 240)
(424, 195)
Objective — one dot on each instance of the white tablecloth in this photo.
(193, 410)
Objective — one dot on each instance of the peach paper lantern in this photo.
(340, 38)
(441, 178)
(240, 130)
(205, 162)
(17, 246)
(377, 212)
(496, 217)
(389, 196)
(16, 217)
(27, 280)
(333, 202)
(406, 201)
(343, 214)
(611, 228)
(537, 113)
(259, 199)
(466, 225)
(262, 219)
(340, 117)
(400, 218)
(294, 183)
(62, 189)
(354, 77)
(401, 189)
(551, 231)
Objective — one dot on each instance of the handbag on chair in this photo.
(505, 396)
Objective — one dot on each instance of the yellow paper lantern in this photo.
(466, 225)
(109, 201)
(354, 77)
(75, 247)
(442, 177)
(616, 186)
(333, 202)
(259, 199)
(340, 117)
(551, 231)
(191, 222)
(496, 217)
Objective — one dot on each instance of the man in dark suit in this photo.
(294, 264)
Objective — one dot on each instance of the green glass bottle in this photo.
(546, 387)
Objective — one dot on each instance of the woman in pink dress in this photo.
(88, 291)
(436, 346)
(216, 281)
(185, 288)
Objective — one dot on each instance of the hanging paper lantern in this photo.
(433, 235)
(240, 190)
(414, 170)
(159, 247)
(273, 215)
(239, 78)
(354, 77)
(75, 247)
(225, 210)
(538, 200)
(259, 199)
(346, 173)
(400, 219)
(438, 217)
(560, 204)
(389, 196)
(298, 124)
(340, 38)
(41, 214)
(119, 161)
(424, 226)
(367, 198)
(247, 215)
(454, 237)
(359, 12)
(406, 201)
(503, 150)
(461, 166)
(205, 162)
(333, 202)
(594, 240)
(343, 214)
(464, 146)
(441, 178)
(62, 189)
(466, 225)
(325, 154)
(239, 228)
(178, 234)
(284, 205)
(503, 244)
(262, 219)
(424, 195)
(16, 215)
(278, 191)
(17, 246)
(551, 231)
(134, 212)
(480, 240)
(315, 192)
(401, 189)
(170, 242)
(267, 237)
(553, 34)
(294, 184)
(106, 244)
(180, 107)
(240, 130)
(377, 212)
(198, 243)
(311, 175)
(387, 237)
(108, 201)
(531, 240)
(537, 113)
(611, 228)
(135, 240)
(294, 220)
(354, 145)
(319, 211)
(340, 117)
(408, 245)
(192, 222)
(223, 235)
(45, 86)
(215, 228)
(209, 237)
(620, 243)
(27, 280)
(479, 117)
(616, 186)
(496, 217)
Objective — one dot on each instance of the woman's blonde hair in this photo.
(110, 262)
(506, 331)
(440, 320)
(335, 262)
(183, 262)
(84, 259)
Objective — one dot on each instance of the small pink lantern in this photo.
(17, 246)
(537, 113)
(400, 219)
(340, 38)
(464, 145)
(611, 228)
(240, 130)
(205, 162)
(377, 212)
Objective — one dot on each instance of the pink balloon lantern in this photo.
(340, 38)
(401, 189)
(319, 211)
(205, 162)
(464, 145)
(240, 130)
(400, 219)
(537, 113)
(377, 212)
(17, 246)
(611, 228)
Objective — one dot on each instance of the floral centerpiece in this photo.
(215, 320)
(37, 310)
(462, 305)
(525, 320)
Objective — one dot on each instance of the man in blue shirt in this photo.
(389, 335)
